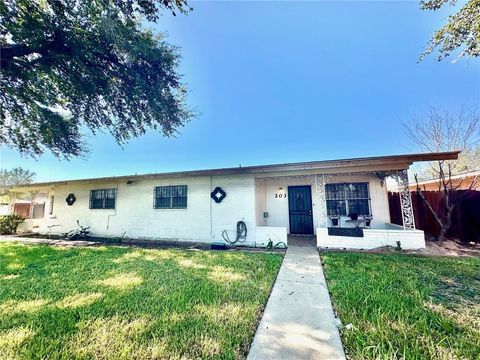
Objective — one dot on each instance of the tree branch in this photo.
(429, 206)
(10, 51)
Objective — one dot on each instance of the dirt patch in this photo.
(153, 244)
(433, 248)
(448, 248)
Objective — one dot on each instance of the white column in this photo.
(321, 202)
(405, 200)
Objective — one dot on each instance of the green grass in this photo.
(406, 307)
(130, 303)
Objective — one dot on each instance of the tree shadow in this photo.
(86, 302)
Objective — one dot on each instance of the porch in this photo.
(338, 210)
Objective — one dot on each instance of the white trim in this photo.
(373, 238)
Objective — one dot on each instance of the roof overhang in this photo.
(365, 164)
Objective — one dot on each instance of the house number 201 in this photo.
(280, 195)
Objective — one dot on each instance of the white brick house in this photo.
(320, 198)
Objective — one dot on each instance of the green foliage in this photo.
(130, 303)
(406, 306)
(269, 244)
(462, 30)
(69, 66)
(16, 176)
(9, 223)
(398, 246)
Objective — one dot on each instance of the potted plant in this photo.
(353, 216)
(334, 220)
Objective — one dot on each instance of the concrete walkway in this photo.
(298, 322)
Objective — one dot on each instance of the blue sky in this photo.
(287, 81)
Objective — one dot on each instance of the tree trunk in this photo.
(445, 221)
(441, 235)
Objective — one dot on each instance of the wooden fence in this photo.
(465, 218)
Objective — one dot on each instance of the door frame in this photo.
(309, 187)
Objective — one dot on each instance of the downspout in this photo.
(210, 202)
(317, 202)
(324, 200)
(115, 209)
(265, 219)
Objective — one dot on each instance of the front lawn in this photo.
(130, 303)
(406, 307)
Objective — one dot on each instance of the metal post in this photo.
(321, 202)
(405, 200)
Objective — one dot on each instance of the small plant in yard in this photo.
(9, 223)
(399, 246)
(279, 245)
(80, 233)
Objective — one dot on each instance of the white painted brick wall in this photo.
(267, 233)
(373, 238)
(135, 216)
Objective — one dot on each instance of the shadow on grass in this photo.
(404, 306)
(130, 303)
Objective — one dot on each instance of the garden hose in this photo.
(241, 233)
(270, 245)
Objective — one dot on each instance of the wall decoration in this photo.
(70, 199)
(218, 195)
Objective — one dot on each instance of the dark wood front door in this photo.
(300, 209)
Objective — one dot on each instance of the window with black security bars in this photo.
(344, 199)
(170, 197)
(103, 198)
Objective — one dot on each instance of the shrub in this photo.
(399, 246)
(9, 223)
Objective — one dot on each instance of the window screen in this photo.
(347, 198)
(170, 197)
(38, 211)
(103, 199)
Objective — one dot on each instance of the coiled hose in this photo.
(241, 234)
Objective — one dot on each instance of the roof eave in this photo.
(390, 162)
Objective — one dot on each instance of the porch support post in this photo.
(321, 202)
(405, 200)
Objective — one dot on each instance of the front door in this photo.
(300, 209)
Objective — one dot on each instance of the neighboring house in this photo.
(304, 198)
(464, 181)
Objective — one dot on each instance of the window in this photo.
(22, 209)
(347, 198)
(103, 199)
(170, 197)
(38, 211)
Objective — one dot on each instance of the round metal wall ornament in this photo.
(218, 195)
(70, 199)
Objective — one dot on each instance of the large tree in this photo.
(442, 130)
(15, 176)
(462, 30)
(68, 65)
